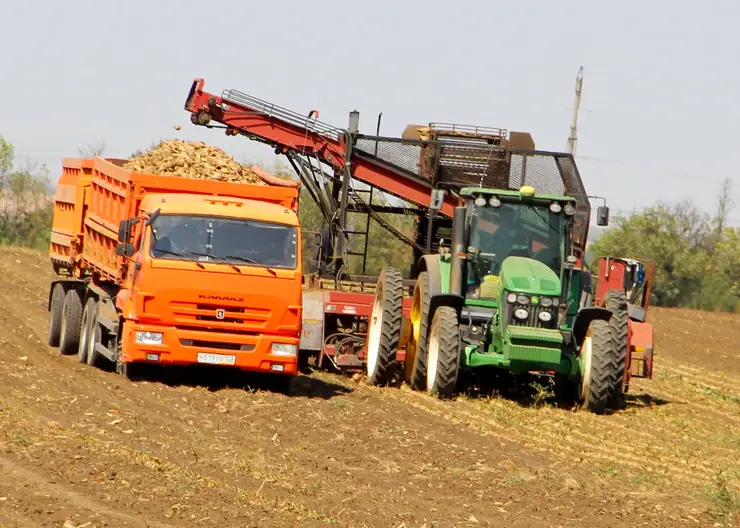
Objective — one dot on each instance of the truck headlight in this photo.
(521, 313)
(545, 317)
(148, 338)
(284, 349)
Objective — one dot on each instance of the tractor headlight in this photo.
(521, 313)
(569, 209)
(546, 302)
(522, 299)
(555, 207)
(545, 317)
(511, 298)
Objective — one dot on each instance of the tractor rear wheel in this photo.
(597, 371)
(415, 368)
(616, 302)
(443, 353)
(384, 327)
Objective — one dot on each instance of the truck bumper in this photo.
(181, 346)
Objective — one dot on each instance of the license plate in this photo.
(216, 359)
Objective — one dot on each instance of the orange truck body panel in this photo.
(235, 310)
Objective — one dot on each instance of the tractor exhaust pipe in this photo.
(457, 251)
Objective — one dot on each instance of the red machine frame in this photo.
(422, 169)
(614, 273)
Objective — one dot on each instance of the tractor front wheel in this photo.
(597, 370)
(415, 368)
(384, 328)
(443, 353)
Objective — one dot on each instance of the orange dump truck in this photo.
(165, 270)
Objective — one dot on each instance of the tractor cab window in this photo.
(511, 229)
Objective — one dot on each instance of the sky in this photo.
(659, 108)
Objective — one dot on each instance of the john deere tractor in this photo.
(506, 294)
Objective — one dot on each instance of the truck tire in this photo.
(384, 327)
(443, 353)
(69, 338)
(616, 301)
(55, 314)
(94, 336)
(85, 328)
(415, 369)
(598, 369)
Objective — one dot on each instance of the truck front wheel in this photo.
(443, 353)
(56, 307)
(69, 338)
(384, 327)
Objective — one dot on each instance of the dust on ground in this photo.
(88, 447)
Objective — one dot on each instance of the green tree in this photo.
(25, 204)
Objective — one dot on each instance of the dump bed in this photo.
(94, 195)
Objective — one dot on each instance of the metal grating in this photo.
(471, 163)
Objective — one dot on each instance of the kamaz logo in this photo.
(220, 298)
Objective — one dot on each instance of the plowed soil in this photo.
(85, 447)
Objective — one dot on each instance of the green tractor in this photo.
(509, 294)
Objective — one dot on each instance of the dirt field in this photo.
(89, 448)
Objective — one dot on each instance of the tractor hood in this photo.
(525, 275)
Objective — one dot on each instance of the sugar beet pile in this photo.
(194, 160)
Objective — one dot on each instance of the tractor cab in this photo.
(518, 243)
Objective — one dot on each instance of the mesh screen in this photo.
(475, 164)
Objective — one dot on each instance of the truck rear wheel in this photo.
(597, 370)
(85, 328)
(69, 338)
(94, 336)
(415, 368)
(616, 301)
(384, 327)
(55, 314)
(443, 359)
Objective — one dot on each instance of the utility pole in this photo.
(576, 105)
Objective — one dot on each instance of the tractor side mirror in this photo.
(602, 215)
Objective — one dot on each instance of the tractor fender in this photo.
(447, 299)
(430, 264)
(583, 319)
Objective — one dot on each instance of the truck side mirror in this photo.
(124, 231)
(124, 250)
(602, 215)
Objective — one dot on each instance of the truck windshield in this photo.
(232, 241)
(524, 230)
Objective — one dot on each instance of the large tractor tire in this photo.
(55, 315)
(384, 327)
(443, 353)
(616, 302)
(69, 335)
(597, 371)
(415, 368)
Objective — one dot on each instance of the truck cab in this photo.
(212, 280)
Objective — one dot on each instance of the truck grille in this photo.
(186, 312)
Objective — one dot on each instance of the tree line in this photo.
(696, 255)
